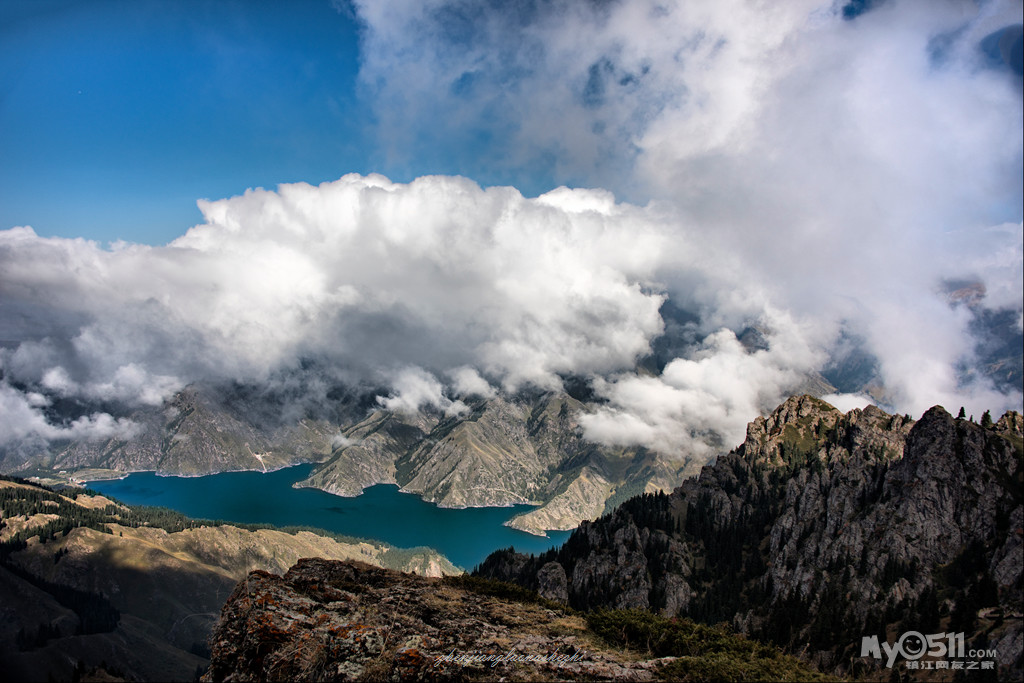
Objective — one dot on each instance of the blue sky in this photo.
(115, 117)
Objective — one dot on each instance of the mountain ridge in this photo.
(85, 579)
(821, 528)
(501, 451)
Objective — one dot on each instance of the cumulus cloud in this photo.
(392, 283)
(466, 381)
(840, 166)
(415, 388)
(701, 403)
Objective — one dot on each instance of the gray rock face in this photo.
(528, 449)
(552, 582)
(193, 434)
(819, 529)
(367, 456)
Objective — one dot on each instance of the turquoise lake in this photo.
(381, 512)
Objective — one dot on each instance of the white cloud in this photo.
(839, 170)
(414, 388)
(364, 273)
(847, 402)
(466, 381)
(702, 403)
(21, 420)
(339, 440)
(807, 174)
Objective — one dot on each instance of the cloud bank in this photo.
(396, 284)
(838, 162)
(789, 170)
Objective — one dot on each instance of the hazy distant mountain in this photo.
(196, 433)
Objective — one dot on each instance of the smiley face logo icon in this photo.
(912, 644)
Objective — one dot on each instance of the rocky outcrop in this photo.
(347, 621)
(819, 529)
(368, 451)
(335, 621)
(583, 498)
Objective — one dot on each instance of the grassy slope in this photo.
(167, 585)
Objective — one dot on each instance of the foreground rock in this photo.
(345, 621)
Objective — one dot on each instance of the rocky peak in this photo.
(820, 528)
(797, 408)
(788, 426)
(807, 428)
(1010, 424)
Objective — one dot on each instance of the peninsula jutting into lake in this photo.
(383, 513)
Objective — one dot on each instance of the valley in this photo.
(821, 529)
(526, 449)
(381, 512)
(87, 582)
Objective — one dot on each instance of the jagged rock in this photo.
(337, 621)
(819, 529)
(551, 582)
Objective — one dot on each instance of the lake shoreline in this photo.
(381, 513)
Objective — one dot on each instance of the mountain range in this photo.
(527, 448)
(819, 530)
